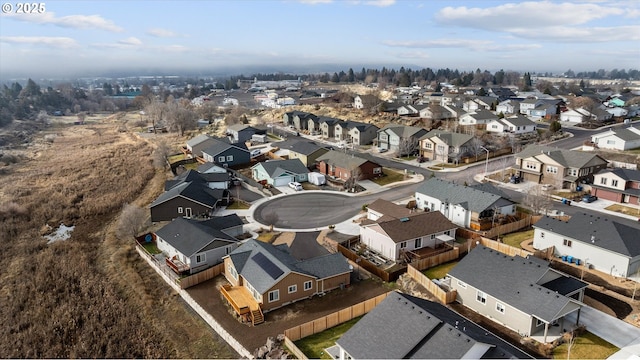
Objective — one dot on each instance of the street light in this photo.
(486, 162)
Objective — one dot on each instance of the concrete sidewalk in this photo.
(617, 332)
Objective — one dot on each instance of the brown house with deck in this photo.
(343, 166)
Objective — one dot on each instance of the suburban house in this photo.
(213, 180)
(297, 119)
(444, 145)
(264, 277)
(435, 112)
(240, 133)
(523, 294)
(344, 166)
(409, 110)
(415, 328)
(353, 132)
(365, 102)
(307, 152)
(327, 126)
(227, 154)
(563, 169)
(619, 185)
(545, 109)
(280, 172)
(517, 125)
(582, 115)
(199, 143)
(190, 197)
(192, 246)
(391, 136)
(509, 106)
(501, 93)
(465, 206)
(527, 105)
(477, 117)
(618, 139)
(605, 243)
(398, 236)
(479, 103)
(617, 112)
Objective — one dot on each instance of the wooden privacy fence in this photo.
(293, 349)
(435, 260)
(321, 324)
(444, 297)
(202, 276)
(504, 248)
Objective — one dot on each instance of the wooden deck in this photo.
(177, 266)
(426, 252)
(243, 303)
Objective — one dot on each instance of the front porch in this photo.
(243, 303)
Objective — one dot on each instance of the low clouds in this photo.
(545, 21)
(161, 33)
(52, 42)
(71, 21)
(474, 45)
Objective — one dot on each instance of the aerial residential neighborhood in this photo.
(320, 180)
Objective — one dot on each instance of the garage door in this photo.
(282, 181)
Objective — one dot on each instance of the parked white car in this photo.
(295, 186)
(255, 153)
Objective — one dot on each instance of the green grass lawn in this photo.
(313, 346)
(238, 205)
(390, 177)
(151, 248)
(440, 271)
(514, 239)
(176, 157)
(586, 346)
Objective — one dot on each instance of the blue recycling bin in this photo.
(564, 201)
(577, 261)
(569, 259)
(578, 188)
(564, 257)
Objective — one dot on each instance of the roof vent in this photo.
(404, 219)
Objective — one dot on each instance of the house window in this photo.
(614, 182)
(462, 284)
(552, 169)
(200, 258)
(292, 288)
(274, 295)
(227, 250)
(611, 142)
(377, 170)
(573, 172)
(448, 232)
(427, 146)
(180, 210)
(220, 158)
(229, 157)
(433, 236)
(481, 297)
(233, 272)
(566, 242)
(539, 322)
(542, 235)
(603, 181)
(530, 165)
(500, 308)
(403, 245)
(307, 285)
(418, 243)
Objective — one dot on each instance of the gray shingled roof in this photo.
(624, 134)
(319, 267)
(519, 120)
(415, 226)
(190, 237)
(567, 158)
(306, 147)
(450, 138)
(220, 145)
(275, 168)
(513, 281)
(390, 209)
(476, 200)
(405, 131)
(197, 140)
(415, 328)
(608, 232)
(193, 190)
(626, 174)
(343, 160)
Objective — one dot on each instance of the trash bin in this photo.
(578, 188)
(577, 261)
(569, 259)
(564, 201)
(564, 257)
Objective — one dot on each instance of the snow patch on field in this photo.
(62, 233)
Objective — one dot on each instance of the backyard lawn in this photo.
(238, 205)
(313, 346)
(514, 239)
(586, 346)
(151, 248)
(176, 157)
(440, 271)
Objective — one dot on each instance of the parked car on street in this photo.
(589, 198)
(255, 152)
(295, 186)
(382, 150)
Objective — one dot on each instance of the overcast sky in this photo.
(86, 38)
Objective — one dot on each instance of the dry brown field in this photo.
(90, 296)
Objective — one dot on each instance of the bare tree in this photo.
(477, 147)
(132, 221)
(407, 146)
(183, 119)
(537, 199)
(161, 155)
(271, 219)
(355, 174)
(586, 103)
